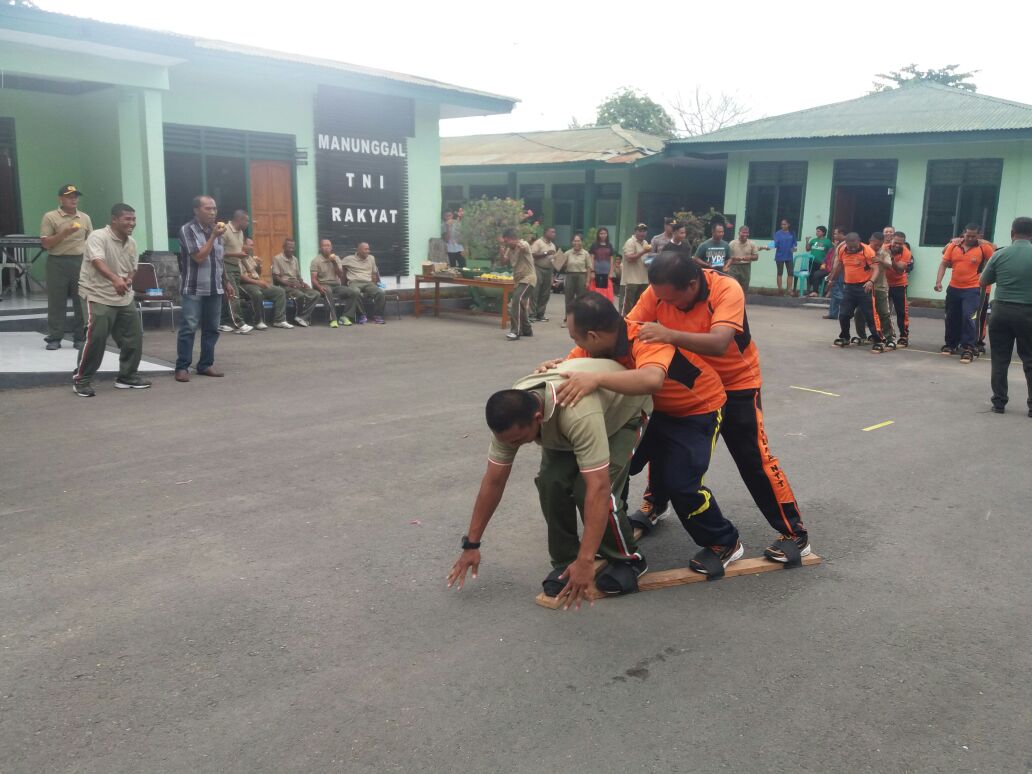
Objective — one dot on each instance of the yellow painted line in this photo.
(880, 424)
(819, 392)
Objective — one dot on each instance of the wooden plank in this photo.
(682, 575)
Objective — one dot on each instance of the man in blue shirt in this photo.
(784, 248)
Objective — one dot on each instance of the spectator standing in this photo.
(544, 251)
(63, 233)
(575, 264)
(785, 244)
(258, 291)
(661, 240)
(234, 252)
(820, 248)
(362, 276)
(836, 282)
(516, 253)
(744, 253)
(714, 253)
(602, 254)
(105, 289)
(635, 272)
(202, 279)
(965, 262)
(451, 233)
(1011, 322)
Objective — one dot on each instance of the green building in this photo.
(926, 159)
(310, 147)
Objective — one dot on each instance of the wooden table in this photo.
(437, 281)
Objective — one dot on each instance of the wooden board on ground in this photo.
(682, 575)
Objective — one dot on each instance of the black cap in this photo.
(68, 189)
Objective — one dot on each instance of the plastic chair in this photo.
(801, 271)
(145, 282)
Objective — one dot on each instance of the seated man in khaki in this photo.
(328, 280)
(361, 274)
(257, 291)
(286, 273)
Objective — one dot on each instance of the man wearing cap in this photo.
(544, 251)
(63, 234)
(105, 290)
(635, 272)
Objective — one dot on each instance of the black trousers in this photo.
(678, 451)
(856, 298)
(457, 260)
(742, 430)
(898, 297)
(1010, 324)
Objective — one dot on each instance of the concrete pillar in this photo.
(142, 164)
(589, 200)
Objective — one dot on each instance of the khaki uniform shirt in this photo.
(521, 260)
(885, 259)
(286, 268)
(542, 245)
(56, 221)
(325, 269)
(635, 272)
(574, 262)
(583, 429)
(251, 267)
(232, 242)
(120, 259)
(359, 271)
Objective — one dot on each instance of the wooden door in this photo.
(272, 209)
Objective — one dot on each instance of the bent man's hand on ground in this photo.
(580, 577)
(469, 559)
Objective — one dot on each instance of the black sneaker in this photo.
(131, 383)
(840, 342)
(52, 345)
(711, 555)
(647, 515)
(1001, 410)
(878, 347)
(946, 349)
(856, 340)
(83, 389)
(967, 356)
(775, 553)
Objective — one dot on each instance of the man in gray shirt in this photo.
(714, 252)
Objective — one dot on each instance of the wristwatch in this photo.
(469, 545)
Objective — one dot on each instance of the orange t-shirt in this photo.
(966, 264)
(898, 279)
(857, 265)
(691, 387)
(721, 303)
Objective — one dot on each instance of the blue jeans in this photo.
(961, 311)
(838, 290)
(204, 311)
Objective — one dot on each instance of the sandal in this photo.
(967, 356)
(946, 349)
(620, 577)
(841, 342)
(713, 560)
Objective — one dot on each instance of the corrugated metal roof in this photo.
(610, 144)
(922, 108)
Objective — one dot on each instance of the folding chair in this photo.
(145, 282)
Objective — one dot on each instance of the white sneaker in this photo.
(283, 324)
(262, 326)
(298, 321)
(226, 329)
(245, 328)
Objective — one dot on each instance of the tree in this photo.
(703, 112)
(484, 220)
(911, 74)
(634, 110)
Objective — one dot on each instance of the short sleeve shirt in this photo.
(721, 304)
(577, 262)
(715, 252)
(634, 272)
(583, 429)
(520, 258)
(747, 249)
(286, 268)
(358, 270)
(251, 267)
(542, 245)
(1011, 269)
(883, 258)
(784, 242)
(120, 259)
(856, 266)
(57, 220)
(966, 264)
(898, 279)
(819, 247)
(659, 241)
(325, 269)
(232, 242)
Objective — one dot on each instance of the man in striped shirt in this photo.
(201, 283)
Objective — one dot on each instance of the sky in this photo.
(561, 59)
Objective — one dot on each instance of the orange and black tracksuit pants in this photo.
(856, 298)
(898, 296)
(742, 431)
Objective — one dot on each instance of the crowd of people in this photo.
(222, 287)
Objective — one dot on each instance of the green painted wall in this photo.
(908, 203)
(424, 169)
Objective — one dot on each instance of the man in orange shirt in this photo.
(703, 312)
(860, 265)
(965, 260)
(687, 395)
(896, 273)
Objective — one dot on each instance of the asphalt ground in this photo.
(247, 574)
